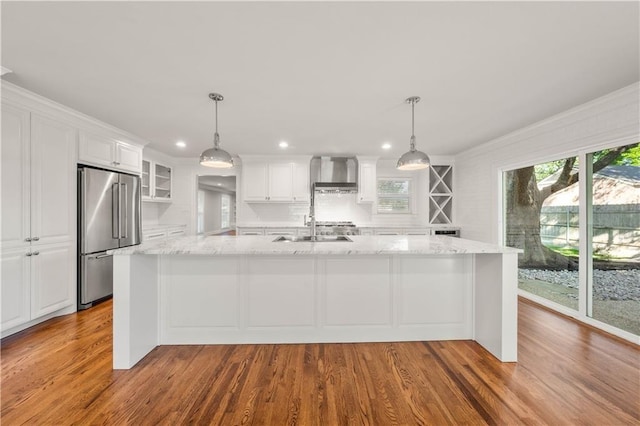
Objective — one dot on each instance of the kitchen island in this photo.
(250, 289)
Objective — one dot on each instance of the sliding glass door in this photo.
(577, 220)
(541, 218)
(613, 210)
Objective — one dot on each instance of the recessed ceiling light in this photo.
(386, 145)
(181, 144)
(283, 144)
(219, 184)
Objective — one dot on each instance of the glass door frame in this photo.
(585, 214)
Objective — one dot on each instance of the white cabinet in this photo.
(254, 182)
(36, 281)
(156, 182)
(38, 179)
(164, 232)
(16, 169)
(279, 180)
(176, 232)
(52, 269)
(53, 181)
(301, 182)
(267, 182)
(389, 231)
(154, 235)
(15, 289)
(367, 180)
(250, 231)
(107, 152)
(38, 216)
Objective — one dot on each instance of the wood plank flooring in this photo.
(59, 373)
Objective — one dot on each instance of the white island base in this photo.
(198, 298)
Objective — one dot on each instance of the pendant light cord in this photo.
(413, 107)
(216, 101)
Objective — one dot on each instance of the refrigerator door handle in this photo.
(115, 217)
(124, 217)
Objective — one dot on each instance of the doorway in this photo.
(216, 205)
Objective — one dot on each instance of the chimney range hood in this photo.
(334, 174)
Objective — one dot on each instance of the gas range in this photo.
(336, 228)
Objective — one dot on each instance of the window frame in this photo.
(410, 195)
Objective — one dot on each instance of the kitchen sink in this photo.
(310, 239)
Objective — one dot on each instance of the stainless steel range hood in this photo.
(334, 174)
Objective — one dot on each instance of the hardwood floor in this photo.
(60, 373)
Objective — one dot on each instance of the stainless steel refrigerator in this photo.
(109, 217)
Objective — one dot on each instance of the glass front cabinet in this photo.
(156, 182)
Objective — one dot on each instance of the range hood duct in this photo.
(334, 175)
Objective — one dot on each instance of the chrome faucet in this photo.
(312, 215)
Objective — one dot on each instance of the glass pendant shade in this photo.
(413, 159)
(216, 157)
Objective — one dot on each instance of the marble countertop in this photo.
(361, 245)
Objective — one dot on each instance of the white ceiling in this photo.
(327, 77)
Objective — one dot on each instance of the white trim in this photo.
(579, 317)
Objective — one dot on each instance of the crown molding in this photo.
(615, 102)
(22, 97)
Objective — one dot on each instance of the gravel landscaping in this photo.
(621, 284)
(616, 299)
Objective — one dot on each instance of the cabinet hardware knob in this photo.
(35, 239)
(29, 254)
(35, 253)
(27, 239)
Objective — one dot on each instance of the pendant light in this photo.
(216, 157)
(413, 159)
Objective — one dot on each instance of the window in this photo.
(394, 195)
(225, 210)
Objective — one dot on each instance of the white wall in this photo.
(611, 120)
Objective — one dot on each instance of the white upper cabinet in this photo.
(301, 182)
(275, 180)
(367, 177)
(38, 179)
(53, 180)
(104, 151)
(280, 178)
(16, 167)
(156, 182)
(254, 178)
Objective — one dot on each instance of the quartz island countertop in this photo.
(360, 245)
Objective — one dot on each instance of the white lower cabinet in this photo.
(36, 281)
(15, 290)
(52, 278)
(250, 231)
